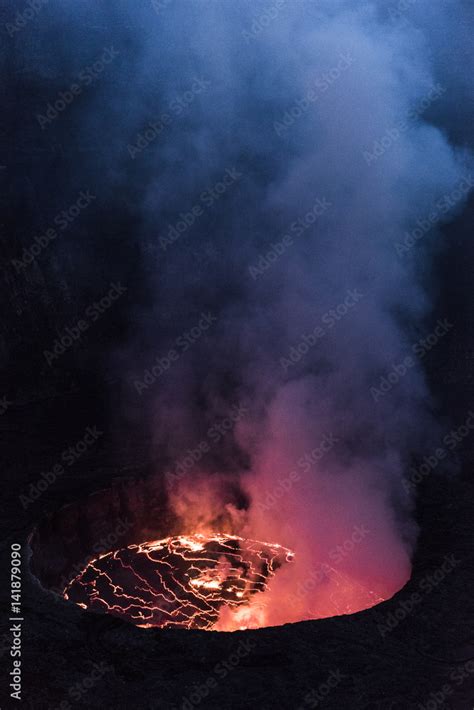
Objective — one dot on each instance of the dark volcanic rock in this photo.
(371, 666)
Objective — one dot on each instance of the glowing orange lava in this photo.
(183, 581)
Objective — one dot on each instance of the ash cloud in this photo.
(292, 98)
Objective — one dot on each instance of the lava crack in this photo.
(179, 581)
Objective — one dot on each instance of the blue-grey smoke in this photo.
(282, 160)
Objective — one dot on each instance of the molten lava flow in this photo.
(179, 581)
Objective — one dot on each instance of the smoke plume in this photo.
(276, 155)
